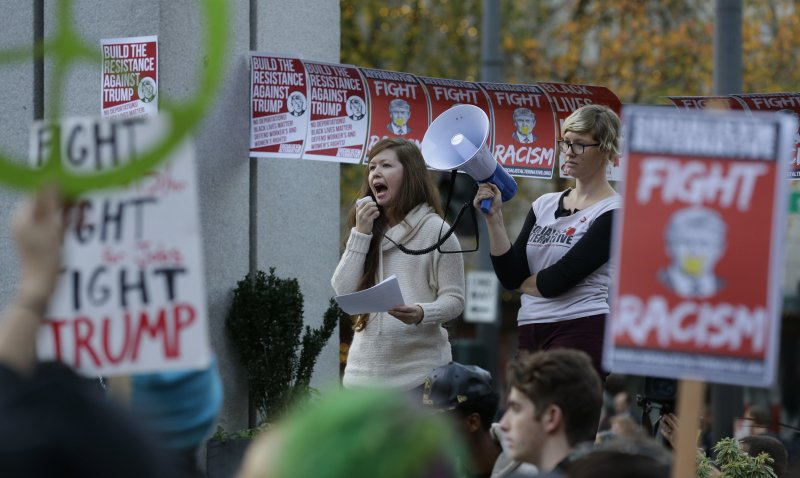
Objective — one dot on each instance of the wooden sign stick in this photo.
(690, 399)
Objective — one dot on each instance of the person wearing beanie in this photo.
(180, 409)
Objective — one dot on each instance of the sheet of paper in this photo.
(378, 298)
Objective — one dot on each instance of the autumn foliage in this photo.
(643, 50)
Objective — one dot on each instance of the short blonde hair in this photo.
(598, 120)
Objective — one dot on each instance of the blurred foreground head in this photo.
(355, 434)
(623, 457)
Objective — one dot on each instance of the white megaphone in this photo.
(458, 139)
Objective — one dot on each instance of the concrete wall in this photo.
(297, 201)
(16, 117)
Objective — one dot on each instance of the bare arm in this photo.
(499, 243)
(38, 227)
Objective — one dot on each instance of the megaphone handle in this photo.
(485, 205)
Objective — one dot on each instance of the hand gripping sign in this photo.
(181, 118)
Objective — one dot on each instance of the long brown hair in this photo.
(417, 188)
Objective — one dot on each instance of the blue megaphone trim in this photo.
(504, 182)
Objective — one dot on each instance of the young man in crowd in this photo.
(553, 408)
(465, 393)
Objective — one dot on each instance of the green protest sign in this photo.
(65, 48)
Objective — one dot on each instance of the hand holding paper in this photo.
(378, 298)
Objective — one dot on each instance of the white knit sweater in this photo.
(389, 352)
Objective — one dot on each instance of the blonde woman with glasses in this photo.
(559, 261)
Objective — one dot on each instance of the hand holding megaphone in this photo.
(487, 197)
(458, 140)
(366, 213)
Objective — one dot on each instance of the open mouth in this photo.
(379, 188)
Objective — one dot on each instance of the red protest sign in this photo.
(444, 94)
(786, 102)
(129, 81)
(524, 131)
(706, 102)
(696, 250)
(334, 132)
(566, 98)
(278, 106)
(398, 104)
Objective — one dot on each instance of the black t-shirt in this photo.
(57, 424)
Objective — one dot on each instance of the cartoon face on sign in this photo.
(355, 108)
(147, 89)
(524, 122)
(297, 104)
(695, 241)
(399, 113)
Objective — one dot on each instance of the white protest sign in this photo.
(131, 295)
(481, 304)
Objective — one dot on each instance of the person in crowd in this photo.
(624, 457)
(179, 408)
(754, 445)
(363, 433)
(757, 421)
(622, 404)
(54, 423)
(465, 393)
(625, 426)
(553, 408)
(614, 383)
(400, 347)
(560, 260)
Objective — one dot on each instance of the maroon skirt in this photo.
(584, 334)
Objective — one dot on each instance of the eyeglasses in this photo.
(577, 148)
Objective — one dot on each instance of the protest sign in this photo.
(399, 106)
(698, 246)
(706, 102)
(567, 98)
(131, 294)
(278, 106)
(524, 129)
(444, 94)
(786, 102)
(129, 81)
(332, 134)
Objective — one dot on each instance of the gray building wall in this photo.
(296, 206)
(16, 117)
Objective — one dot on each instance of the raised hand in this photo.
(366, 213)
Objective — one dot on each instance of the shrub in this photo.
(265, 324)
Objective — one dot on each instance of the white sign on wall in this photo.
(481, 297)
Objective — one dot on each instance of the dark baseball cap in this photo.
(455, 385)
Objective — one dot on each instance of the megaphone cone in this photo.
(458, 140)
